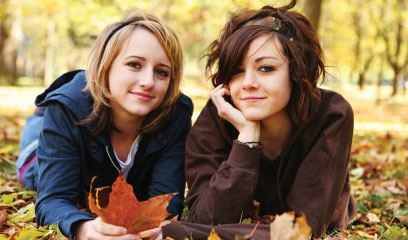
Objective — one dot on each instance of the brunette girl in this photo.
(268, 133)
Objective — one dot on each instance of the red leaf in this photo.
(125, 210)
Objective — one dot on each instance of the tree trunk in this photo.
(11, 35)
(312, 10)
(397, 74)
(361, 80)
(380, 77)
(379, 83)
(49, 53)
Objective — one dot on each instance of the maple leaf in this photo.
(125, 210)
(284, 227)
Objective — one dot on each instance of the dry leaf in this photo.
(393, 204)
(3, 218)
(287, 227)
(403, 219)
(125, 210)
(365, 235)
(213, 235)
(372, 218)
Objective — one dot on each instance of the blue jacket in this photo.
(69, 156)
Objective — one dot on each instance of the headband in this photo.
(115, 30)
(273, 23)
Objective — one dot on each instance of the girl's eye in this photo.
(133, 64)
(266, 68)
(163, 73)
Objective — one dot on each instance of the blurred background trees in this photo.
(365, 41)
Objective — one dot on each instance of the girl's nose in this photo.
(250, 81)
(147, 79)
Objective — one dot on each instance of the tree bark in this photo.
(49, 53)
(312, 10)
(395, 81)
(11, 35)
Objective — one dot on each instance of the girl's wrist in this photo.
(249, 134)
(250, 144)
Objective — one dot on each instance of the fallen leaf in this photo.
(365, 235)
(25, 214)
(31, 234)
(3, 219)
(3, 237)
(372, 218)
(357, 172)
(125, 210)
(393, 204)
(213, 235)
(403, 219)
(287, 227)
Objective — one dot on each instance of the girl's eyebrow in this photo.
(134, 56)
(265, 57)
(165, 65)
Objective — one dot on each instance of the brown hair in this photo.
(106, 48)
(300, 46)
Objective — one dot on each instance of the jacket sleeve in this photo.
(221, 179)
(168, 174)
(59, 171)
(317, 190)
(182, 230)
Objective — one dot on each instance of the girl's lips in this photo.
(142, 96)
(252, 99)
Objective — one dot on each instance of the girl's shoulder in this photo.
(68, 90)
(333, 100)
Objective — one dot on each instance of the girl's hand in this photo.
(97, 229)
(155, 233)
(249, 131)
(152, 234)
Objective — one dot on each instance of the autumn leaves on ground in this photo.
(378, 170)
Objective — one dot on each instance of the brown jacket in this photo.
(310, 175)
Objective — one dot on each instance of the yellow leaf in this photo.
(25, 214)
(213, 235)
(284, 228)
(30, 234)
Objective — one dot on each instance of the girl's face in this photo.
(261, 87)
(139, 76)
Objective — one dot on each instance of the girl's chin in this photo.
(254, 117)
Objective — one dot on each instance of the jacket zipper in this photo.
(107, 151)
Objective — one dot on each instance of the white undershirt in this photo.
(126, 166)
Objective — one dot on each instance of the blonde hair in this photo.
(106, 48)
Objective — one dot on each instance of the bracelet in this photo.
(249, 144)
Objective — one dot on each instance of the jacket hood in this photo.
(68, 90)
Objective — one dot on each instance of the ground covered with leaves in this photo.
(378, 171)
